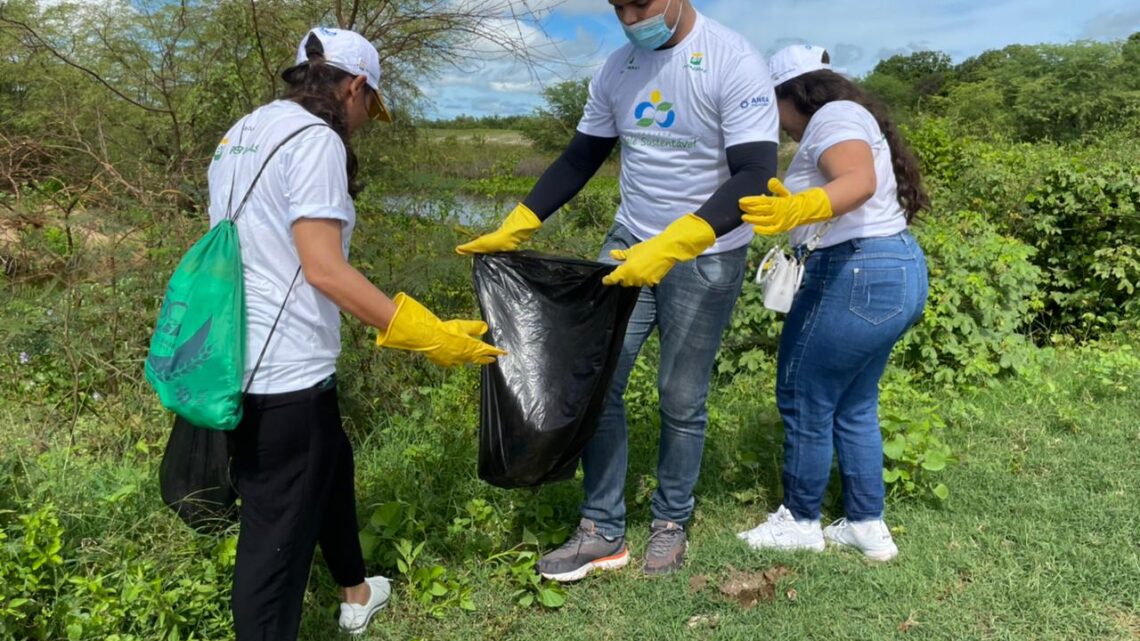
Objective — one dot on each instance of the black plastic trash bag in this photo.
(563, 331)
(194, 477)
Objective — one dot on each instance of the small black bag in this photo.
(195, 477)
(563, 331)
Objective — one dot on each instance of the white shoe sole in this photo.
(606, 563)
(881, 556)
(809, 547)
(357, 631)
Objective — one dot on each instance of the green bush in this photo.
(983, 291)
(913, 447)
(53, 586)
(1078, 207)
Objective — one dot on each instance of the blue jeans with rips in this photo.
(691, 307)
(856, 301)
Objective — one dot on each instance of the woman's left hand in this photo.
(784, 210)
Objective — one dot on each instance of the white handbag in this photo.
(780, 274)
(779, 277)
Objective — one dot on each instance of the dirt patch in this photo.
(698, 583)
(910, 622)
(749, 588)
(1129, 622)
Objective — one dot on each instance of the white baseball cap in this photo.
(351, 52)
(796, 60)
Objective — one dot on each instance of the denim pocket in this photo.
(879, 293)
(719, 271)
(618, 237)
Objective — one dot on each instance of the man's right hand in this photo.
(519, 226)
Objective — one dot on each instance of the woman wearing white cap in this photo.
(286, 174)
(850, 191)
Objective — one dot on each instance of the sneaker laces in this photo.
(578, 538)
(840, 524)
(661, 540)
(781, 516)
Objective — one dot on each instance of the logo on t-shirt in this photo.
(757, 101)
(696, 62)
(655, 112)
(221, 148)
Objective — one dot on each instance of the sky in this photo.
(578, 34)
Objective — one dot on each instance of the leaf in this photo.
(891, 475)
(529, 538)
(941, 491)
(645, 122)
(526, 600)
(387, 516)
(437, 589)
(664, 107)
(934, 461)
(894, 448)
(551, 597)
(368, 542)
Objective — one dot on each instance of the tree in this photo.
(552, 126)
(147, 87)
(906, 81)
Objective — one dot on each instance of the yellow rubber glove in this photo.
(647, 262)
(455, 342)
(519, 225)
(783, 210)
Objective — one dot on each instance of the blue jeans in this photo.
(691, 308)
(856, 301)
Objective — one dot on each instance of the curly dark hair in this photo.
(811, 91)
(313, 85)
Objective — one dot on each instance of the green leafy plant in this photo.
(431, 585)
(517, 566)
(912, 444)
(983, 292)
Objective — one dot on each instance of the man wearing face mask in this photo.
(692, 104)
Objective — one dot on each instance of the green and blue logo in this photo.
(655, 112)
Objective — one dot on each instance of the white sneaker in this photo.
(872, 538)
(783, 532)
(354, 618)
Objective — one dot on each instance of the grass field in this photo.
(493, 136)
(1038, 540)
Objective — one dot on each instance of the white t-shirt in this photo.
(676, 110)
(305, 179)
(834, 123)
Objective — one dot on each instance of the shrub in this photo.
(983, 291)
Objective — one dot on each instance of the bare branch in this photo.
(42, 42)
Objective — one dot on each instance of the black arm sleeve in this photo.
(751, 165)
(569, 174)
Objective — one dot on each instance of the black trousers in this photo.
(294, 472)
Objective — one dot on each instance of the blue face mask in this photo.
(653, 32)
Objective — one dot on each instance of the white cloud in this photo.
(494, 82)
(859, 33)
(575, 7)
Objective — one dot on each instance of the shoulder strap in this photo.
(257, 176)
(297, 274)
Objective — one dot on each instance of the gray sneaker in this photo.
(584, 552)
(666, 549)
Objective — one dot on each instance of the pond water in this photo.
(471, 211)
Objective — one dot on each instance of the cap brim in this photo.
(381, 112)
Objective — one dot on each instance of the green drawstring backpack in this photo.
(197, 352)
